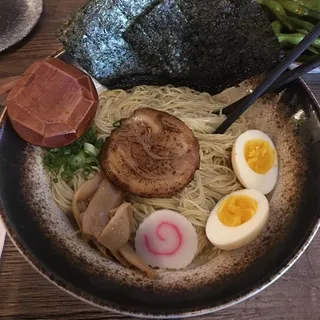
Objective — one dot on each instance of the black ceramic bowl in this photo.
(44, 235)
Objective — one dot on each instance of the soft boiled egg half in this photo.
(237, 219)
(255, 161)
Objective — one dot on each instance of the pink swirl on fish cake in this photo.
(158, 233)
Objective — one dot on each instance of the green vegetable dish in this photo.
(292, 20)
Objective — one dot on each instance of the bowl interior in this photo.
(46, 236)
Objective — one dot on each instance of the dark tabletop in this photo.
(24, 294)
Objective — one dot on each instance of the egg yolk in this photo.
(259, 155)
(236, 210)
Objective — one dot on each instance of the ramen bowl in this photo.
(46, 237)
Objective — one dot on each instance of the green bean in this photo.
(276, 26)
(302, 31)
(295, 23)
(296, 38)
(274, 6)
(289, 43)
(311, 4)
(291, 23)
(305, 57)
(313, 50)
(299, 9)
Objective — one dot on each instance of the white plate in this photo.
(2, 236)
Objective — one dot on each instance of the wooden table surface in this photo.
(24, 294)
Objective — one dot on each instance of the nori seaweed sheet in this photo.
(93, 37)
(211, 44)
(208, 45)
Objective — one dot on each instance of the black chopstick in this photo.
(278, 85)
(270, 79)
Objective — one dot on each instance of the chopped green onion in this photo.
(46, 160)
(76, 146)
(117, 124)
(55, 150)
(66, 150)
(80, 155)
(66, 175)
(91, 135)
(99, 143)
(77, 161)
(91, 161)
(90, 149)
(87, 169)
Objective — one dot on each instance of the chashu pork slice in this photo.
(152, 154)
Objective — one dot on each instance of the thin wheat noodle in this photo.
(213, 180)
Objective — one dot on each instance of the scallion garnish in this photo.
(80, 155)
(87, 169)
(90, 149)
(77, 161)
(117, 124)
(99, 143)
(66, 175)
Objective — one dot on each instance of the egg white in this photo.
(230, 238)
(264, 183)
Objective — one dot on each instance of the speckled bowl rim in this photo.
(24, 30)
(264, 283)
(2, 236)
